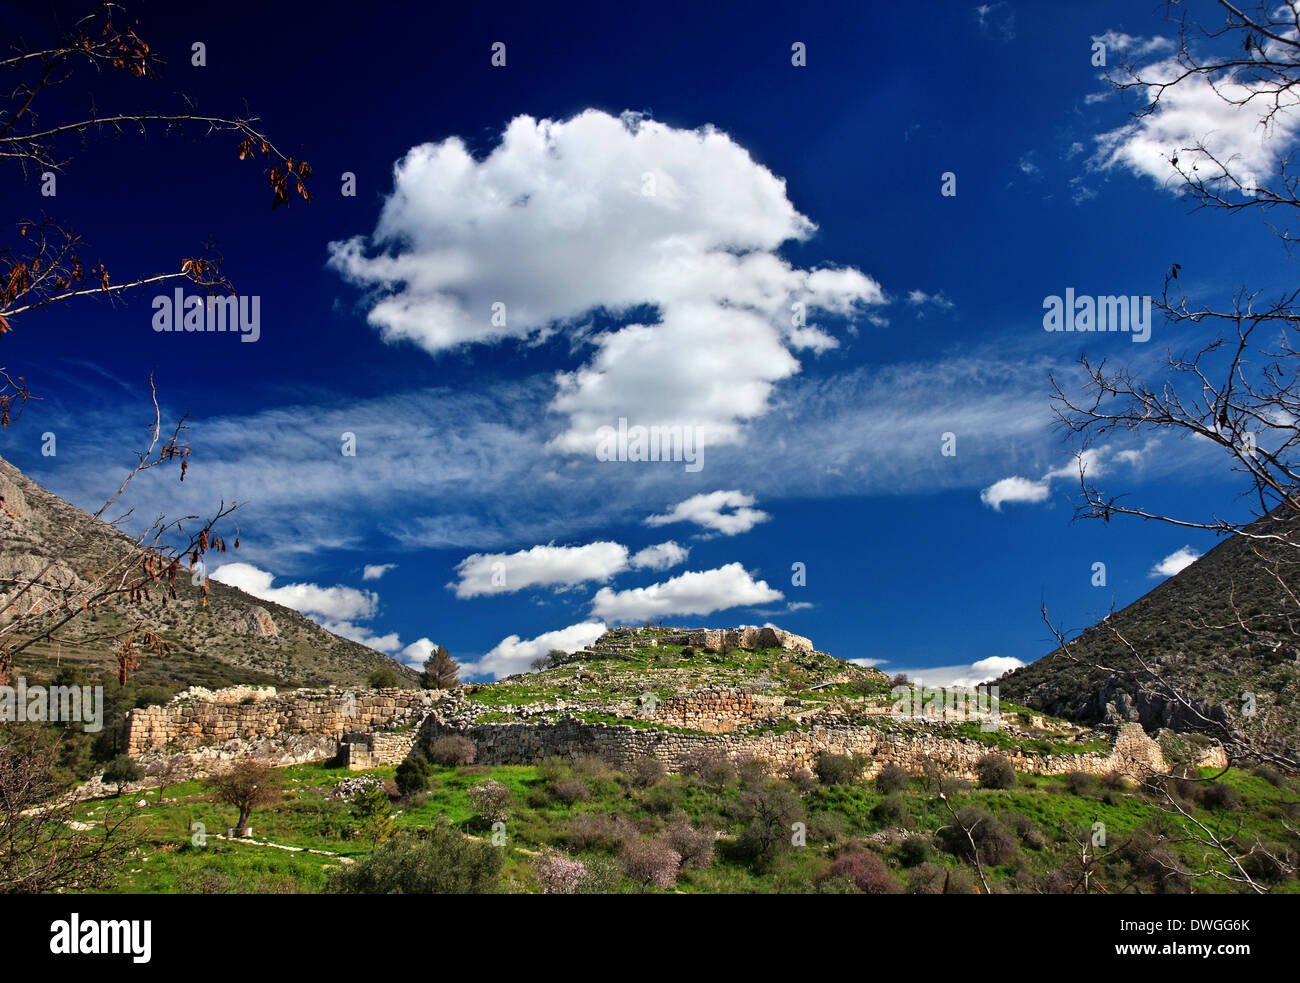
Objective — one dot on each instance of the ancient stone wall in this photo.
(715, 710)
(525, 743)
(715, 639)
(194, 720)
(359, 752)
(373, 728)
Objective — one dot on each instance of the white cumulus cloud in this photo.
(727, 512)
(660, 556)
(373, 571)
(1089, 463)
(1192, 122)
(542, 566)
(699, 592)
(514, 654)
(1176, 562)
(674, 229)
(338, 603)
(1014, 489)
(964, 676)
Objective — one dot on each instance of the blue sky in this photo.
(526, 185)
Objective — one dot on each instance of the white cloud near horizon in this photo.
(726, 512)
(414, 654)
(697, 592)
(338, 603)
(963, 676)
(337, 609)
(515, 655)
(566, 217)
(1176, 562)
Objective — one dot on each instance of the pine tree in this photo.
(441, 671)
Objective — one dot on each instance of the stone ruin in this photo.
(371, 728)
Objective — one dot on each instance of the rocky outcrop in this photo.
(13, 503)
(255, 621)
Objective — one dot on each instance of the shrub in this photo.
(713, 768)
(768, 813)
(862, 685)
(867, 872)
(1079, 782)
(663, 799)
(646, 771)
(930, 878)
(595, 831)
(435, 861)
(1270, 863)
(383, 678)
(492, 801)
(1056, 882)
(892, 778)
(1217, 795)
(827, 827)
(570, 789)
(1113, 781)
(558, 873)
(837, 769)
(803, 779)
(995, 771)
(412, 776)
(121, 770)
(650, 863)
(1029, 834)
(590, 766)
(604, 876)
(694, 846)
(752, 770)
(553, 768)
(891, 811)
(1189, 789)
(1154, 865)
(914, 850)
(1269, 774)
(993, 841)
(453, 751)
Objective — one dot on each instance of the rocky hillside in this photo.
(235, 638)
(1184, 629)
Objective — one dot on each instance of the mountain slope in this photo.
(235, 638)
(1184, 629)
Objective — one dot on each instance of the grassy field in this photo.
(558, 805)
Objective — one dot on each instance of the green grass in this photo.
(169, 861)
